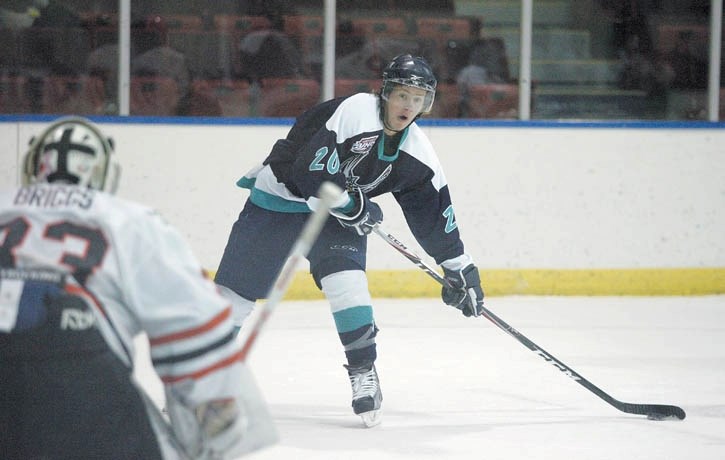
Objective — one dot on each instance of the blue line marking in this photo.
(432, 122)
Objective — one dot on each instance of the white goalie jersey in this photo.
(139, 275)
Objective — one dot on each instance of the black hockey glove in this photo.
(465, 292)
(362, 217)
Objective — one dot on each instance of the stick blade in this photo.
(667, 413)
(656, 412)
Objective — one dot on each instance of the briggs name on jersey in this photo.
(53, 197)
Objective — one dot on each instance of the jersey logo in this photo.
(352, 182)
(76, 320)
(363, 145)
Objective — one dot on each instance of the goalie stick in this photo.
(652, 411)
(328, 194)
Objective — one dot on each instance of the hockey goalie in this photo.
(82, 274)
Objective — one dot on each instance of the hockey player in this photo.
(82, 273)
(370, 145)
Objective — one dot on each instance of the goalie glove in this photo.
(227, 426)
(362, 216)
(465, 292)
(209, 430)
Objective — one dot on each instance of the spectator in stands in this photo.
(58, 45)
(151, 56)
(630, 18)
(487, 63)
(15, 16)
(103, 63)
(688, 62)
(154, 55)
(642, 69)
(55, 14)
(268, 52)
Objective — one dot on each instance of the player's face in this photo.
(403, 105)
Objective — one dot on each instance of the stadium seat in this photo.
(73, 95)
(493, 100)
(446, 28)
(283, 97)
(446, 104)
(380, 26)
(669, 34)
(240, 24)
(347, 87)
(183, 22)
(157, 96)
(12, 95)
(302, 25)
(233, 96)
(306, 32)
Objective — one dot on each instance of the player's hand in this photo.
(465, 292)
(363, 216)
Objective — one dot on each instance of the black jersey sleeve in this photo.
(286, 151)
(429, 215)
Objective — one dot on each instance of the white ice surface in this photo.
(460, 388)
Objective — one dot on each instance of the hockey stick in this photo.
(327, 195)
(652, 411)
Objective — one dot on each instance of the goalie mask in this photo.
(72, 151)
(410, 71)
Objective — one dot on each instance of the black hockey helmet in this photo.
(410, 71)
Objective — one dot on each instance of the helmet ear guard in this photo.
(72, 150)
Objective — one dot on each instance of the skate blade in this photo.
(372, 418)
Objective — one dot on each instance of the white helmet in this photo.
(72, 151)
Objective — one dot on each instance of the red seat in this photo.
(303, 25)
(12, 95)
(157, 96)
(232, 96)
(493, 100)
(287, 97)
(183, 22)
(446, 104)
(306, 32)
(73, 95)
(379, 26)
(240, 24)
(446, 27)
(669, 34)
(347, 87)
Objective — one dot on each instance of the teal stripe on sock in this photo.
(353, 318)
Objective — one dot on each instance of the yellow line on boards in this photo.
(584, 282)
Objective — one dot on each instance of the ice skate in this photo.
(366, 394)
